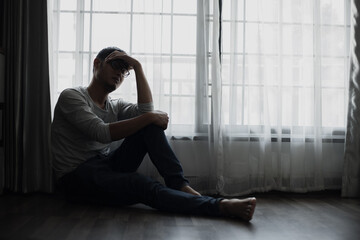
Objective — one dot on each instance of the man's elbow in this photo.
(102, 134)
(146, 107)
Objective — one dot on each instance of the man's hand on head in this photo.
(116, 55)
(128, 63)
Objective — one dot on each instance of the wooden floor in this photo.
(278, 216)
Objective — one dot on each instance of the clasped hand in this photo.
(160, 119)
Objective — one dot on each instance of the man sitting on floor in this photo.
(86, 121)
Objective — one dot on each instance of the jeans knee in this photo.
(152, 131)
(153, 128)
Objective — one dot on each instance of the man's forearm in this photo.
(124, 128)
(143, 88)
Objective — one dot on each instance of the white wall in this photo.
(198, 168)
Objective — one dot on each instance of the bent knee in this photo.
(153, 127)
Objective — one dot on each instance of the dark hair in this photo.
(106, 51)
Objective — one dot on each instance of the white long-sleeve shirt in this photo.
(80, 129)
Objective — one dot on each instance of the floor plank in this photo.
(278, 216)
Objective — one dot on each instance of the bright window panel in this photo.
(152, 6)
(184, 35)
(333, 72)
(332, 11)
(229, 36)
(262, 10)
(185, 6)
(333, 108)
(298, 11)
(66, 70)
(112, 6)
(156, 29)
(333, 41)
(68, 4)
(67, 27)
(111, 30)
(233, 9)
(183, 110)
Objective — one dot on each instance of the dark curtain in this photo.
(27, 98)
(351, 178)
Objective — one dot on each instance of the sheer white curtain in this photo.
(255, 89)
(284, 65)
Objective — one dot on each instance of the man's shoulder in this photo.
(71, 100)
(73, 93)
(72, 96)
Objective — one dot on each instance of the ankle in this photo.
(223, 207)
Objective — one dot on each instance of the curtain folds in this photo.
(351, 174)
(271, 127)
(27, 98)
(216, 131)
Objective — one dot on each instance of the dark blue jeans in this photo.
(113, 179)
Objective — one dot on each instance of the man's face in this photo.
(107, 75)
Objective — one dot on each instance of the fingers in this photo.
(115, 55)
(162, 119)
(165, 120)
(130, 62)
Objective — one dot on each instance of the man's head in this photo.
(106, 51)
(108, 73)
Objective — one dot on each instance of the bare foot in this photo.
(190, 190)
(241, 208)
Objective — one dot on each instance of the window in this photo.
(283, 62)
(152, 31)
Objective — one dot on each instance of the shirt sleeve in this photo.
(130, 110)
(75, 109)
